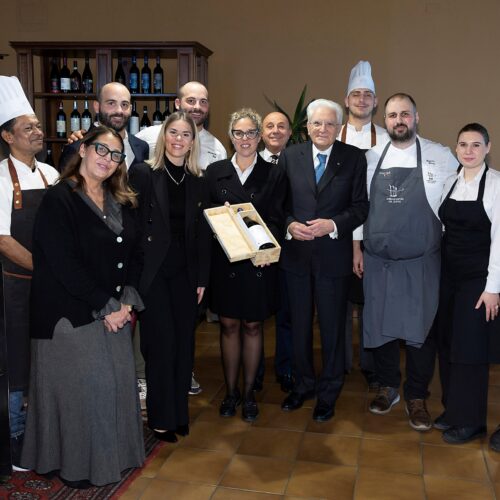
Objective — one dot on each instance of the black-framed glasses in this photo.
(103, 150)
(249, 134)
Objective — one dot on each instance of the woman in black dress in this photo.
(176, 242)
(469, 328)
(244, 295)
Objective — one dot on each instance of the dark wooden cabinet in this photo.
(181, 62)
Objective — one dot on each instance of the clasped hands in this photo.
(311, 229)
(118, 319)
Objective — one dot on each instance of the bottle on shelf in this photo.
(75, 118)
(119, 73)
(65, 77)
(157, 115)
(258, 233)
(61, 122)
(146, 77)
(145, 121)
(133, 123)
(158, 77)
(49, 159)
(134, 77)
(86, 117)
(87, 78)
(76, 78)
(55, 86)
(166, 114)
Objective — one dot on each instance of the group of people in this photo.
(364, 215)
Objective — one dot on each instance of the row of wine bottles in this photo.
(83, 121)
(61, 80)
(141, 81)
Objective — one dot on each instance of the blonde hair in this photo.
(191, 158)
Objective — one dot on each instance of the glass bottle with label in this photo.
(76, 78)
(166, 114)
(259, 234)
(87, 78)
(61, 122)
(157, 115)
(86, 117)
(75, 117)
(55, 85)
(145, 121)
(158, 77)
(133, 123)
(120, 73)
(146, 77)
(134, 77)
(65, 77)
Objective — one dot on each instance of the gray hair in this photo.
(325, 103)
(249, 113)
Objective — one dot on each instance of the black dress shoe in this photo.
(167, 436)
(286, 382)
(82, 484)
(460, 435)
(294, 401)
(249, 410)
(323, 411)
(229, 404)
(495, 440)
(182, 430)
(441, 424)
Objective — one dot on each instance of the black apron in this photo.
(402, 257)
(17, 281)
(465, 252)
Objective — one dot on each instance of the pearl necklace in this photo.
(173, 180)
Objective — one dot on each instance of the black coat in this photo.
(151, 185)
(78, 262)
(239, 289)
(340, 195)
(139, 147)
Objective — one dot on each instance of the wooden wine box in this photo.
(233, 235)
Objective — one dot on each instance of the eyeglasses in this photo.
(318, 124)
(103, 150)
(187, 136)
(249, 134)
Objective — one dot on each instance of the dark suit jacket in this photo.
(139, 147)
(340, 195)
(152, 189)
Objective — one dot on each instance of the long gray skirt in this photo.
(83, 406)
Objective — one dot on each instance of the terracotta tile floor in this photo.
(356, 455)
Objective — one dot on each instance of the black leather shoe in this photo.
(323, 411)
(83, 484)
(495, 440)
(182, 430)
(294, 401)
(249, 410)
(441, 424)
(286, 382)
(460, 435)
(229, 404)
(167, 436)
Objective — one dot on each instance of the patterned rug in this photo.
(31, 486)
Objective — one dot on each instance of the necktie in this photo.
(273, 159)
(320, 169)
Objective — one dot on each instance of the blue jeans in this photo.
(17, 413)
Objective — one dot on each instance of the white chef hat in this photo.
(13, 102)
(361, 77)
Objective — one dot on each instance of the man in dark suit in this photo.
(327, 200)
(114, 108)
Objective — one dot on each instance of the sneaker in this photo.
(195, 386)
(143, 390)
(385, 399)
(420, 420)
(229, 404)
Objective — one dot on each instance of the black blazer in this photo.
(340, 195)
(78, 262)
(139, 147)
(152, 189)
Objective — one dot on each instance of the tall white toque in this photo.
(13, 101)
(361, 77)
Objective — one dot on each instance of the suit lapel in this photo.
(229, 181)
(332, 168)
(161, 191)
(309, 165)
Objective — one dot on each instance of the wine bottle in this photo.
(61, 122)
(87, 79)
(167, 111)
(86, 117)
(54, 77)
(76, 78)
(258, 233)
(133, 123)
(120, 74)
(74, 118)
(158, 77)
(145, 121)
(134, 77)
(65, 77)
(49, 159)
(146, 77)
(157, 115)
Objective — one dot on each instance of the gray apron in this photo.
(402, 258)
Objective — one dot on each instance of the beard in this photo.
(107, 119)
(405, 136)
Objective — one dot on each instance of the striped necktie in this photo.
(273, 159)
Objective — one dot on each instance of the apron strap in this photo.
(373, 135)
(18, 197)
(480, 191)
(343, 134)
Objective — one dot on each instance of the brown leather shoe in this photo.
(420, 420)
(385, 399)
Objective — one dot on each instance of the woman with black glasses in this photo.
(244, 295)
(83, 410)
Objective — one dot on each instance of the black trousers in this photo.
(167, 339)
(330, 297)
(419, 367)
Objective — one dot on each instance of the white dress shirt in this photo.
(243, 174)
(467, 191)
(265, 154)
(363, 138)
(28, 179)
(128, 151)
